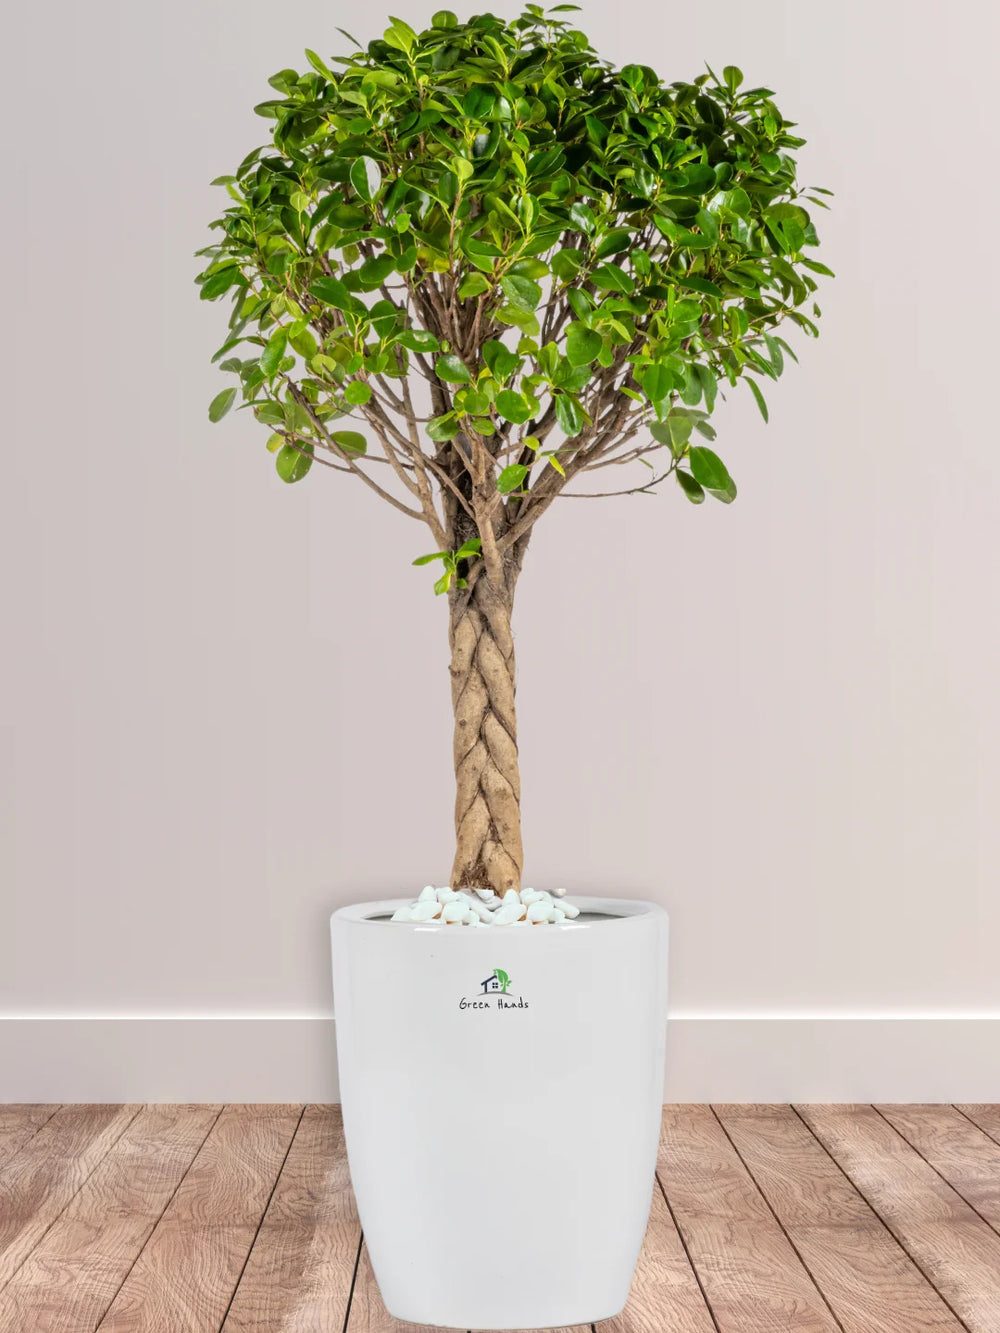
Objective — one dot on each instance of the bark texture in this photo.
(488, 796)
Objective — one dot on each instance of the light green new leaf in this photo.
(511, 477)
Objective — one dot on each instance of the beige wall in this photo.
(781, 719)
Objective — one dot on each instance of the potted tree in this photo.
(472, 266)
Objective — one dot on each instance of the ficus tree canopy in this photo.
(474, 262)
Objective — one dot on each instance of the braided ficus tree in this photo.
(476, 262)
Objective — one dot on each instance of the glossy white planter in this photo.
(502, 1146)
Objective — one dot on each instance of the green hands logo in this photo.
(503, 979)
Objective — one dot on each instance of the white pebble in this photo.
(508, 914)
(558, 893)
(455, 913)
(481, 911)
(538, 912)
(424, 911)
(488, 896)
(569, 909)
(511, 896)
(529, 896)
(402, 913)
(558, 915)
(447, 895)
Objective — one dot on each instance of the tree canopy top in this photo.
(510, 263)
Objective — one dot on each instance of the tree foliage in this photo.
(477, 261)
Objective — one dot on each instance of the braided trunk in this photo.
(488, 799)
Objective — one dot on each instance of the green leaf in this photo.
(221, 404)
(657, 382)
(708, 469)
(271, 356)
(292, 462)
(513, 406)
(444, 582)
(582, 345)
(614, 243)
(400, 35)
(418, 340)
(373, 272)
(366, 177)
(569, 414)
(434, 555)
(700, 285)
(690, 487)
(502, 362)
(566, 264)
(470, 548)
(350, 441)
(357, 394)
(220, 281)
(511, 477)
(473, 284)
(521, 292)
(755, 390)
(733, 76)
(442, 429)
(319, 66)
(452, 369)
(331, 291)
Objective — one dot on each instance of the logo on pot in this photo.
(494, 993)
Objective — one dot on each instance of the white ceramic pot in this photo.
(502, 1091)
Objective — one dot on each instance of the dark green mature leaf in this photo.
(331, 291)
(521, 292)
(221, 404)
(418, 340)
(582, 345)
(708, 469)
(690, 487)
(452, 369)
(758, 396)
(366, 177)
(569, 415)
(271, 356)
(292, 462)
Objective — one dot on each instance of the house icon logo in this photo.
(497, 983)
(494, 993)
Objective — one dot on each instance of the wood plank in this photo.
(186, 1274)
(967, 1158)
(869, 1281)
(984, 1114)
(752, 1277)
(38, 1183)
(73, 1273)
(665, 1292)
(954, 1248)
(19, 1123)
(368, 1314)
(299, 1274)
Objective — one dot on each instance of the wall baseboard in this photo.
(778, 1058)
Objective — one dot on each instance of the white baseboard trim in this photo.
(727, 1058)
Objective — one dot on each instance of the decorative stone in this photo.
(425, 911)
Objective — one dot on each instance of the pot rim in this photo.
(613, 912)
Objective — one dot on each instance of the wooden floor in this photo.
(766, 1219)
